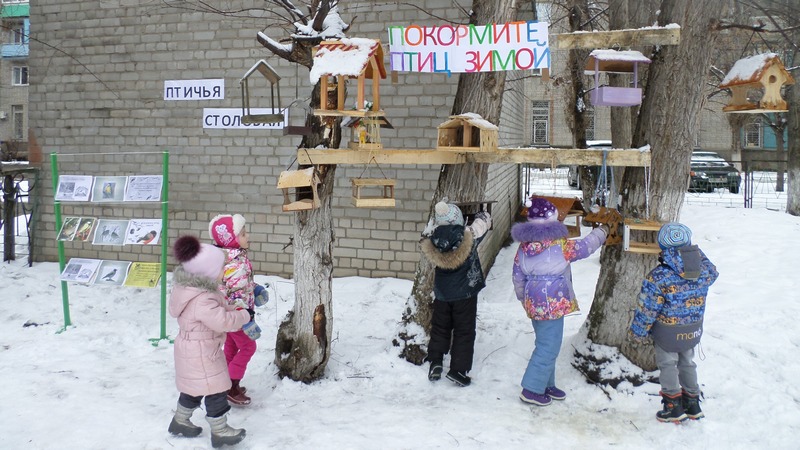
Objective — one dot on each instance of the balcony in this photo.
(14, 51)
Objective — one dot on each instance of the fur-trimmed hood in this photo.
(538, 231)
(451, 259)
(184, 278)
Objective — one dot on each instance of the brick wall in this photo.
(97, 101)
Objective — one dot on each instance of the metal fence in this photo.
(17, 210)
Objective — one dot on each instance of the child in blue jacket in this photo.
(671, 307)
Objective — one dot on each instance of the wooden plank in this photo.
(643, 247)
(549, 156)
(385, 156)
(643, 225)
(616, 38)
(299, 205)
(373, 181)
(373, 202)
(348, 113)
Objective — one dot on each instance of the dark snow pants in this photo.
(216, 404)
(453, 331)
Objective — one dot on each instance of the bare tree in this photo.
(481, 93)
(668, 123)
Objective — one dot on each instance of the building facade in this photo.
(14, 79)
(98, 73)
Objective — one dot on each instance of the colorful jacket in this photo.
(673, 299)
(542, 274)
(203, 317)
(237, 282)
(453, 249)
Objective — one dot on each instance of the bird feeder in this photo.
(272, 77)
(293, 183)
(639, 246)
(613, 61)
(760, 72)
(341, 60)
(366, 131)
(570, 211)
(364, 192)
(470, 209)
(467, 133)
(610, 217)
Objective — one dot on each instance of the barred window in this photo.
(588, 117)
(541, 122)
(752, 133)
(18, 118)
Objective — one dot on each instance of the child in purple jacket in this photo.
(543, 283)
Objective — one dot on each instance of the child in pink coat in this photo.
(204, 317)
(238, 287)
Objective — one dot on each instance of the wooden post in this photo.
(341, 83)
(360, 101)
(323, 93)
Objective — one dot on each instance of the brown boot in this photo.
(236, 395)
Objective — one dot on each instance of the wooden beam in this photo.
(616, 38)
(385, 156)
(549, 156)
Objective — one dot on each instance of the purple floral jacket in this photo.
(542, 275)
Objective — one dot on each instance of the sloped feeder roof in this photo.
(614, 61)
(349, 57)
(750, 70)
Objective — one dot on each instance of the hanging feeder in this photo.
(365, 133)
(293, 182)
(272, 77)
(470, 209)
(760, 72)
(632, 246)
(373, 192)
(613, 61)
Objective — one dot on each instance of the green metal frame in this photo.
(164, 238)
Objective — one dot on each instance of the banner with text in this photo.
(194, 89)
(232, 118)
(469, 48)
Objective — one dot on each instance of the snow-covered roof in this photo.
(751, 69)
(349, 57)
(617, 61)
(472, 118)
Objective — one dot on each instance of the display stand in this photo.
(164, 228)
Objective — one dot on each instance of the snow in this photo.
(100, 383)
(476, 120)
(619, 55)
(348, 59)
(745, 70)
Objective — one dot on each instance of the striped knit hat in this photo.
(447, 214)
(674, 234)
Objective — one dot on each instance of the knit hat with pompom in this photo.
(542, 209)
(199, 259)
(447, 214)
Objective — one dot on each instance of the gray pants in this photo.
(678, 370)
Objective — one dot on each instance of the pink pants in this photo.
(238, 350)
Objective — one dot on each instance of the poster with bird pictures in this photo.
(80, 270)
(85, 228)
(110, 232)
(74, 188)
(143, 231)
(69, 228)
(112, 273)
(109, 189)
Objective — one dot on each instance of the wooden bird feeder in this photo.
(570, 212)
(293, 181)
(639, 246)
(467, 133)
(469, 209)
(364, 192)
(366, 131)
(613, 61)
(272, 77)
(337, 61)
(760, 72)
(602, 215)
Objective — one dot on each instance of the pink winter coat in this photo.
(203, 317)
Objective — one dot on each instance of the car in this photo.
(573, 175)
(709, 170)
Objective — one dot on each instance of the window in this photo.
(588, 117)
(752, 133)
(20, 76)
(18, 117)
(17, 30)
(541, 122)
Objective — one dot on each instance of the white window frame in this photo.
(540, 117)
(753, 134)
(17, 30)
(19, 75)
(18, 120)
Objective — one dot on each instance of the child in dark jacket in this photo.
(452, 248)
(671, 307)
(542, 278)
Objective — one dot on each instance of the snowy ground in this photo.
(100, 384)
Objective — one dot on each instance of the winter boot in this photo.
(533, 398)
(691, 405)
(182, 423)
(435, 371)
(459, 378)
(555, 393)
(236, 394)
(222, 434)
(673, 409)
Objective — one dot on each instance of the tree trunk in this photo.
(480, 93)
(793, 156)
(621, 125)
(668, 122)
(302, 349)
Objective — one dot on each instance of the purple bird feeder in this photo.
(613, 61)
